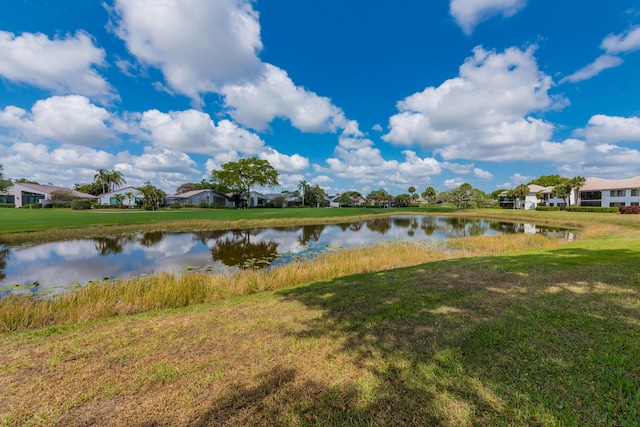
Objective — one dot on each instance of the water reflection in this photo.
(82, 261)
(238, 250)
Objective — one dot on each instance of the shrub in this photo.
(80, 205)
(148, 207)
(7, 205)
(123, 206)
(31, 206)
(174, 207)
(591, 209)
(629, 209)
(547, 208)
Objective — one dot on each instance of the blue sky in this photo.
(349, 95)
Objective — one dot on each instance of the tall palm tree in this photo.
(129, 197)
(412, 191)
(521, 192)
(115, 180)
(577, 182)
(101, 177)
(302, 186)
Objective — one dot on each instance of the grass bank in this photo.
(502, 336)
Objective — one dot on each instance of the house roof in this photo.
(119, 190)
(48, 189)
(192, 193)
(597, 184)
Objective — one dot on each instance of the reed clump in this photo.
(162, 291)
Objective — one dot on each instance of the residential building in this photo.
(288, 199)
(610, 192)
(128, 196)
(198, 197)
(597, 192)
(22, 194)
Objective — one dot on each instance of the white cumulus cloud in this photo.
(62, 65)
(71, 119)
(604, 129)
(484, 113)
(199, 45)
(274, 95)
(468, 13)
(195, 132)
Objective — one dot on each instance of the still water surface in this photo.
(50, 267)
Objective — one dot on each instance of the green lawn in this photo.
(27, 220)
(546, 337)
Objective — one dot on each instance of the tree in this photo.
(4, 183)
(548, 180)
(380, 196)
(93, 188)
(119, 198)
(562, 190)
(101, 177)
(302, 186)
(151, 196)
(345, 200)
(429, 195)
(520, 192)
(115, 180)
(412, 191)
(187, 186)
(129, 196)
(402, 200)
(540, 196)
(62, 196)
(577, 182)
(244, 174)
(464, 197)
(315, 196)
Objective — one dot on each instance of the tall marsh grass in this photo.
(161, 291)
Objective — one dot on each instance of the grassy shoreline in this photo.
(502, 334)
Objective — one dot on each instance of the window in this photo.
(618, 193)
(635, 192)
(8, 198)
(616, 204)
(635, 203)
(590, 203)
(590, 195)
(31, 198)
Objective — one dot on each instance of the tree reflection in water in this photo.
(310, 233)
(379, 225)
(458, 227)
(238, 250)
(108, 245)
(4, 257)
(151, 238)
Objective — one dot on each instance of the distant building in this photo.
(289, 199)
(597, 192)
(119, 197)
(197, 197)
(22, 194)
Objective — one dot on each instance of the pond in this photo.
(53, 267)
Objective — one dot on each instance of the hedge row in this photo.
(547, 208)
(591, 209)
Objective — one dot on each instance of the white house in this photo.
(22, 194)
(595, 192)
(127, 196)
(610, 192)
